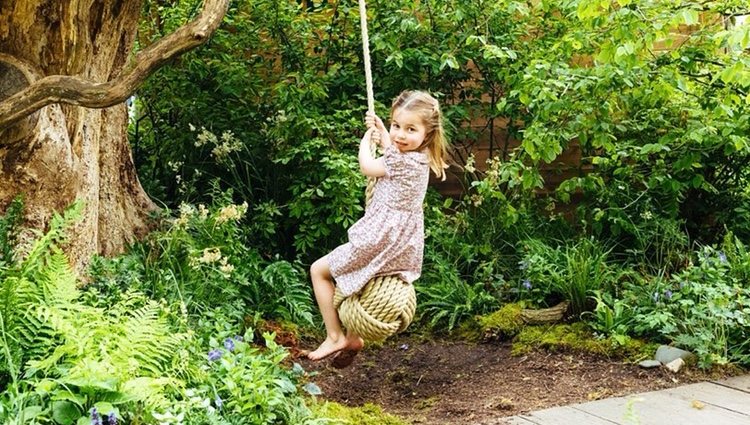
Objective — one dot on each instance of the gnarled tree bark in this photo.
(58, 60)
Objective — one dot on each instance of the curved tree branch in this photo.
(82, 92)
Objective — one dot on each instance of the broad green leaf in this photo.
(65, 412)
(104, 408)
(312, 389)
(690, 16)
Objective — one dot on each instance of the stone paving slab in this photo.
(725, 402)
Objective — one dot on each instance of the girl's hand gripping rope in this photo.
(374, 122)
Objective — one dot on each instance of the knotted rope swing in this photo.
(386, 304)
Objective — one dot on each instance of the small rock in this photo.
(649, 364)
(675, 365)
(666, 354)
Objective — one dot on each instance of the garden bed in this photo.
(445, 382)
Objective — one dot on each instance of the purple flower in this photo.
(96, 419)
(668, 294)
(238, 338)
(112, 419)
(526, 284)
(219, 402)
(214, 355)
(722, 257)
(229, 344)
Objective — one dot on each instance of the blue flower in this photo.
(214, 355)
(722, 257)
(526, 284)
(229, 344)
(112, 419)
(668, 294)
(96, 419)
(238, 338)
(219, 402)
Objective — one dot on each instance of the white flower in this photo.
(231, 213)
(210, 255)
(181, 222)
(202, 211)
(229, 144)
(226, 269)
(186, 210)
(470, 164)
(205, 137)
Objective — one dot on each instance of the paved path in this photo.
(725, 402)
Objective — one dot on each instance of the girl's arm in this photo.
(368, 164)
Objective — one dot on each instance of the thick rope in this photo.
(366, 56)
(386, 304)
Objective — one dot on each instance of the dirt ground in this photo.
(444, 382)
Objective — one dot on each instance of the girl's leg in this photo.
(324, 288)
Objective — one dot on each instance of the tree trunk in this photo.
(54, 56)
(63, 153)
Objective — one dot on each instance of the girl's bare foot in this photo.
(345, 356)
(328, 347)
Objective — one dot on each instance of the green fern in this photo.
(124, 353)
(285, 292)
(8, 227)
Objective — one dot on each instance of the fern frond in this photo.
(145, 336)
(54, 236)
(58, 280)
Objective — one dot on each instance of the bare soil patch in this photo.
(448, 382)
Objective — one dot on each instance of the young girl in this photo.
(389, 239)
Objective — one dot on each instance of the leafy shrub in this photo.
(573, 273)
(65, 358)
(446, 303)
(200, 260)
(244, 385)
(126, 358)
(702, 309)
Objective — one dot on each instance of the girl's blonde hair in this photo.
(428, 108)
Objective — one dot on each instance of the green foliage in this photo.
(65, 358)
(8, 229)
(611, 317)
(127, 357)
(245, 386)
(703, 308)
(573, 273)
(200, 260)
(443, 305)
(710, 311)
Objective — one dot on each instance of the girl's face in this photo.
(407, 130)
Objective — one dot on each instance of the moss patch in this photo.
(579, 338)
(502, 324)
(369, 414)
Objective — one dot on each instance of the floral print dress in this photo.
(389, 239)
